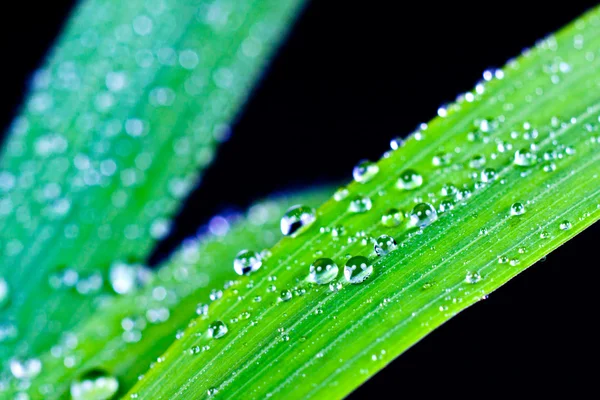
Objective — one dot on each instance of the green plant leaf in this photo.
(131, 331)
(498, 180)
(120, 120)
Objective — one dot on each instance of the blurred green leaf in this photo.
(121, 119)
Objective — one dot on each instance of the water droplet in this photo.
(478, 161)
(126, 278)
(409, 180)
(340, 194)
(384, 245)
(392, 218)
(286, 295)
(441, 159)
(358, 269)
(297, 219)
(212, 391)
(360, 204)
(217, 330)
(517, 209)
(472, 277)
(525, 158)
(323, 271)
(488, 175)
(396, 143)
(25, 369)
(423, 214)
(448, 190)
(365, 171)
(246, 262)
(3, 292)
(565, 225)
(94, 385)
(446, 205)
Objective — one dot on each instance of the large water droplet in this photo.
(423, 214)
(358, 269)
(25, 369)
(322, 271)
(365, 171)
(217, 329)
(297, 219)
(517, 209)
(384, 245)
(95, 385)
(409, 180)
(525, 158)
(246, 262)
(360, 205)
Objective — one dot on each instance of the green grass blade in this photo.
(121, 118)
(129, 332)
(498, 210)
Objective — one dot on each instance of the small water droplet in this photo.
(441, 159)
(217, 329)
(360, 204)
(409, 180)
(472, 277)
(25, 369)
(323, 271)
(517, 209)
(94, 385)
(384, 245)
(565, 225)
(365, 171)
(396, 143)
(212, 391)
(478, 161)
(297, 219)
(358, 269)
(488, 175)
(4, 292)
(246, 262)
(525, 157)
(127, 278)
(392, 218)
(340, 194)
(423, 214)
(286, 295)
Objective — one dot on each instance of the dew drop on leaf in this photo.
(246, 262)
(286, 295)
(364, 171)
(94, 385)
(409, 180)
(217, 329)
(25, 368)
(524, 158)
(565, 225)
(384, 245)
(323, 271)
(297, 219)
(472, 277)
(423, 214)
(396, 143)
(357, 269)
(4, 292)
(517, 209)
(488, 175)
(392, 218)
(360, 205)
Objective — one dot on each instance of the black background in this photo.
(370, 71)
